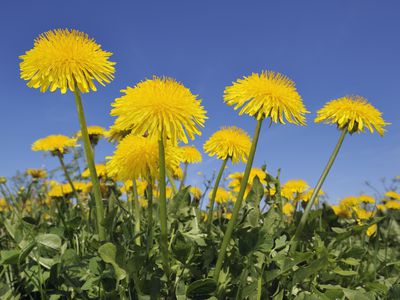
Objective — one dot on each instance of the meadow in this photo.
(131, 228)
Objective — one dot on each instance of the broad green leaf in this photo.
(201, 289)
(49, 240)
(108, 252)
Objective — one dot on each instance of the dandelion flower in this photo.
(392, 205)
(222, 195)
(3, 205)
(196, 192)
(268, 94)
(288, 209)
(95, 134)
(294, 189)
(191, 155)
(177, 173)
(101, 171)
(372, 230)
(236, 179)
(63, 58)
(353, 114)
(137, 156)
(60, 190)
(159, 105)
(37, 173)
(392, 195)
(54, 144)
(366, 199)
(229, 142)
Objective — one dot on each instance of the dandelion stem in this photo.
(136, 208)
(314, 195)
(150, 214)
(184, 176)
(238, 203)
(163, 209)
(61, 159)
(91, 165)
(214, 193)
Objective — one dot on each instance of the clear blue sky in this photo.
(330, 49)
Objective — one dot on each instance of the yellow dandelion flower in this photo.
(229, 142)
(101, 171)
(222, 195)
(169, 192)
(141, 186)
(236, 179)
(392, 195)
(37, 173)
(288, 209)
(137, 156)
(177, 173)
(3, 205)
(307, 195)
(341, 211)
(54, 144)
(62, 58)
(293, 189)
(372, 230)
(228, 215)
(160, 105)
(366, 199)
(392, 205)
(196, 192)
(381, 207)
(60, 190)
(95, 133)
(268, 94)
(363, 214)
(353, 114)
(114, 135)
(349, 202)
(191, 155)
(143, 203)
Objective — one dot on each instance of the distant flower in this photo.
(353, 114)
(222, 195)
(190, 155)
(372, 230)
(236, 179)
(177, 173)
(54, 144)
(392, 195)
(196, 192)
(294, 189)
(3, 205)
(115, 135)
(101, 171)
(159, 105)
(137, 156)
(366, 199)
(60, 190)
(268, 94)
(62, 57)
(36, 173)
(307, 195)
(229, 142)
(95, 134)
(392, 205)
(288, 209)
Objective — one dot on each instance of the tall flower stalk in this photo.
(263, 95)
(92, 167)
(238, 203)
(350, 114)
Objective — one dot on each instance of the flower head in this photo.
(221, 196)
(268, 94)
(62, 58)
(236, 179)
(60, 190)
(54, 144)
(101, 171)
(294, 189)
(137, 156)
(36, 173)
(3, 205)
(392, 195)
(159, 106)
(95, 134)
(196, 192)
(229, 142)
(288, 209)
(352, 113)
(191, 155)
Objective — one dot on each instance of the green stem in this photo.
(136, 208)
(172, 182)
(238, 203)
(314, 195)
(91, 165)
(163, 209)
(184, 176)
(214, 193)
(61, 159)
(150, 214)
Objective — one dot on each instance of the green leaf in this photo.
(341, 272)
(181, 248)
(25, 251)
(49, 240)
(108, 252)
(312, 269)
(248, 240)
(201, 289)
(9, 257)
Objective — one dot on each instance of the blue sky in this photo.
(329, 48)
